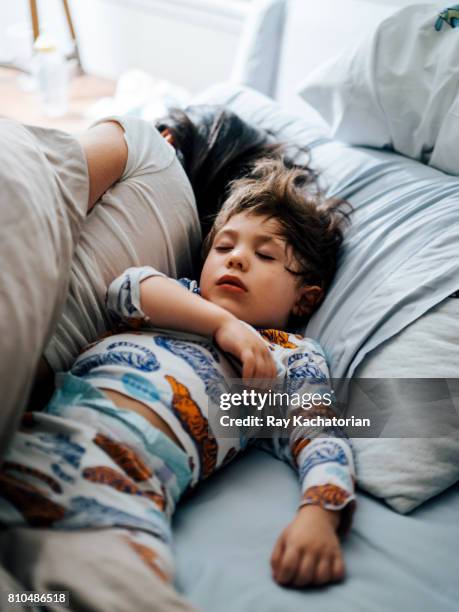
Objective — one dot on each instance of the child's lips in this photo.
(231, 288)
(231, 283)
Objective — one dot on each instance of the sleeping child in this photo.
(128, 432)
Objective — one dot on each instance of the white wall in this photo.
(189, 42)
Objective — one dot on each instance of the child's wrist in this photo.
(314, 511)
(220, 318)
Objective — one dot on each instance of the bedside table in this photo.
(84, 91)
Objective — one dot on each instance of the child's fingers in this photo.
(277, 554)
(259, 370)
(306, 570)
(263, 373)
(267, 366)
(323, 570)
(248, 364)
(273, 366)
(338, 570)
(258, 364)
(288, 565)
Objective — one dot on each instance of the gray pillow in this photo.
(406, 471)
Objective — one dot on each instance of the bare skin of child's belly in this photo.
(123, 401)
(44, 387)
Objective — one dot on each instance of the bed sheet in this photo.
(226, 531)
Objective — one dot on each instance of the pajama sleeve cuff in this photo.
(123, 296)
(327, 478)
(334, 498)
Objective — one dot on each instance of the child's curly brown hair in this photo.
(309, 222)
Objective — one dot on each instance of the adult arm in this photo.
(106, 154)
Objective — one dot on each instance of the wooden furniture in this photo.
(36, 28)
(34, 17)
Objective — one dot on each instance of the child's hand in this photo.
(239, 339)
(308, 551)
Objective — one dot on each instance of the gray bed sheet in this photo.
(226, 531)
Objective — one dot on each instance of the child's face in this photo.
(248, 254)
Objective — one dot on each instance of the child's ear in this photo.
(310, 296)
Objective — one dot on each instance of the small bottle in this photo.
(51, 73)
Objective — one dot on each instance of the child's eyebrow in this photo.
(274, 239)
(261, 239)
(222, 232)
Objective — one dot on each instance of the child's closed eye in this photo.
(224, 248)
(265, 256)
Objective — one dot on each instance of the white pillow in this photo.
(397, 89)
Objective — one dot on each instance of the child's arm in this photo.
(308, 550)
(143, 296)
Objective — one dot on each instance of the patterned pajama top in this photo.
(175, 374)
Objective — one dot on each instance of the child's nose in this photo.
(237, 260)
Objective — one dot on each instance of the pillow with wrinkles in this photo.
(396, 89)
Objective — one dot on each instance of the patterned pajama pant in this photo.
(86, 464)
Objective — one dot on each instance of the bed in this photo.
(225, 534)
(402, 551)
(388, 309)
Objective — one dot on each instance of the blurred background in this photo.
(64, 63)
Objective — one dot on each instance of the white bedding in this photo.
(397, 88)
